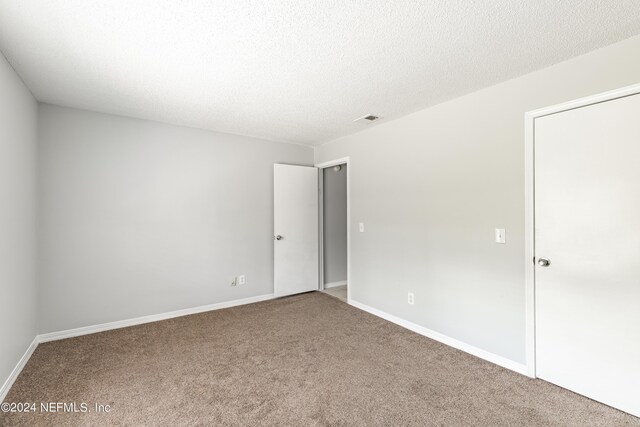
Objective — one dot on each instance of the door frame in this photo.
(321, 167)
(529, 222)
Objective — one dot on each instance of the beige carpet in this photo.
(304, 360)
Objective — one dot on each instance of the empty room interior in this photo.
(412, 213)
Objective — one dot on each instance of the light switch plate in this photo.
(361, 227)
(500, 236)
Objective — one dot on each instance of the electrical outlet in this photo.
(410, 299)
(241, 280)
(234, 282)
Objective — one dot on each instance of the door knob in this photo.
(278, 237)
(543, 262)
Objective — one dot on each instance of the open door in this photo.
(295, 240)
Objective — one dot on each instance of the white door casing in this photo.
(587, 223)
(296, 253)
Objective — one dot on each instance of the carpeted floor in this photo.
(303, 360)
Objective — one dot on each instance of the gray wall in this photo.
(432, 186)
(18, 281)
(335, 225)
(141, 218)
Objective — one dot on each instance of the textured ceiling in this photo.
(291, 70)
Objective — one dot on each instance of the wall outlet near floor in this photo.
(234, 282)
(410, 299)
(241, 280)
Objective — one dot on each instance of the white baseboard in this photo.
(334, 284)
(69, 333)
(478, 352)
(16, 371)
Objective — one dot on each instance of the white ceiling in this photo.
(291, 70)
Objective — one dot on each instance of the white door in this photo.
(295, 240)
(587, 225)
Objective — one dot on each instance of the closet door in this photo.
(587, 240)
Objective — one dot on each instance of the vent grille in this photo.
(369, 118)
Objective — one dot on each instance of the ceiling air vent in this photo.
(369, 118)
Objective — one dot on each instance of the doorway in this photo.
(583, 266)
(334, 229)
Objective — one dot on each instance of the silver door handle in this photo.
(278, 237)
(543, 262)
